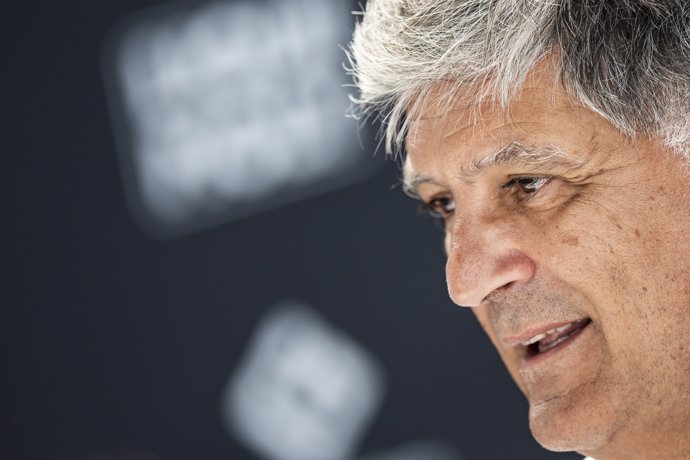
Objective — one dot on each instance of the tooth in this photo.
(563, 328)
(536, 338)
(543, 348)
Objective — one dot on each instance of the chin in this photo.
(560, 427)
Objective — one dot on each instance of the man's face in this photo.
(555, 222)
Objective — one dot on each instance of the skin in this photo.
(597, 230)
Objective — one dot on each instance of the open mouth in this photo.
(554, 338)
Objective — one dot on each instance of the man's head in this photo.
(553, 140)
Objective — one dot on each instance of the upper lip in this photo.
(526, 335)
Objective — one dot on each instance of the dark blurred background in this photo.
(118, 343)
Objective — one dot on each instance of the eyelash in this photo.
(441, 207)
(438, 207)
(516, 182)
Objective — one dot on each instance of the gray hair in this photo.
(627, 60)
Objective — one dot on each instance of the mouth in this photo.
(551, 341)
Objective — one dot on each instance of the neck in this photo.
(666, 440)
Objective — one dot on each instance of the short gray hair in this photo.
(627, 60)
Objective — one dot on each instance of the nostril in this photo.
(499, 292)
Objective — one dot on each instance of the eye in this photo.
(440, 207)
(526, 185)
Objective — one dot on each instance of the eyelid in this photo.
(513, 182)
(430, 206)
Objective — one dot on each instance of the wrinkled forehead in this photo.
(447, 108)
(437, 130)
(538, 129)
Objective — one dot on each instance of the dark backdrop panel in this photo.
(114, 340)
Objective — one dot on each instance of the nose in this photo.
(484, 256)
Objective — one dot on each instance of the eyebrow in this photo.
(512, 154)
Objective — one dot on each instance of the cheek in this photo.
(622, 257)
(582, 246)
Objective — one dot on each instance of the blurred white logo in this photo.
(303, 391)
(229, 108)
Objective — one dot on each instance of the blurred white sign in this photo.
(223, 109)
(303, 391)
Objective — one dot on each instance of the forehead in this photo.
(541, 122)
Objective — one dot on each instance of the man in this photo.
(552, 138)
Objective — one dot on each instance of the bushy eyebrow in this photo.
(517, 154)
(512, 154)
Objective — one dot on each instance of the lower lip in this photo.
(536, 360)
